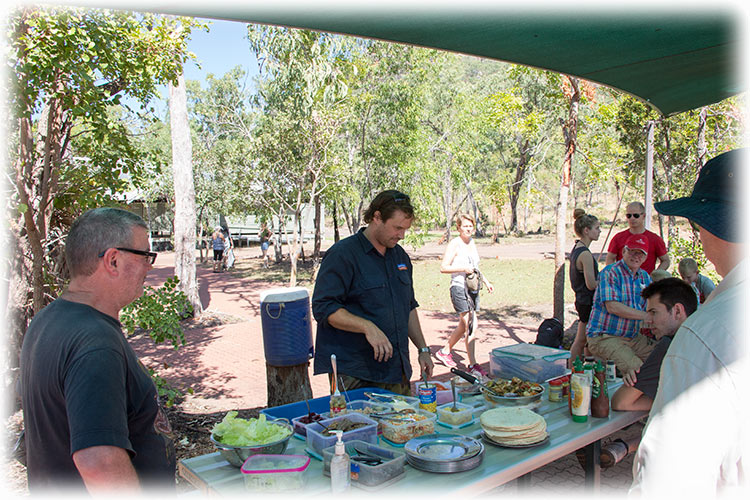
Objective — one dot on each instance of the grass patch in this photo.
(517, 283)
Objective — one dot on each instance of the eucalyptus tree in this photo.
(69, 68)
(682, 144)
(222, 119)
(381, 135)
(526, 116)
(301, 90)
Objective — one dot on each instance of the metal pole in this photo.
(649, 172)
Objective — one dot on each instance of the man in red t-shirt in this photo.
(636, 215)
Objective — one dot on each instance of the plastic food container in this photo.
(364, 475)
(400, 431)
(300, 428)
(397, 401)
(535, 363)
(317, 441)
(367, 407)
(272, 473)
(444, 393)
(463, 415)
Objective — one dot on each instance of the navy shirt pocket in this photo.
(371, 292)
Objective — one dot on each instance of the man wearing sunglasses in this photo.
(92, 418)
(704, 374)
(657, 250)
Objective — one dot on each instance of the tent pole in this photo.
(649, 172)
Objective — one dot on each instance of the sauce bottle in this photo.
(577, 368)
(580, 391)
(599, 395)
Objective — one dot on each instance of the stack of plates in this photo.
(513, 427)
(444, 453)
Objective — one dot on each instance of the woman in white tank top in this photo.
(461, 257)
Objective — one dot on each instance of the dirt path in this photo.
(224, 365)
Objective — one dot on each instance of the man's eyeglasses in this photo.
(151, 255)
(632, 215)
(695, 226)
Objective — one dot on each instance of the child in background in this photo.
(688, 270)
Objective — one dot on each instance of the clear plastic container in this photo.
(397, 401)
(464, 413)
(317, 440)
(444, 392)
(400, 429)
(273, 473)
(300, 428)
(535, 363)
(367, 407)
(369, 475)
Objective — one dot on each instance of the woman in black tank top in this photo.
(584, 273)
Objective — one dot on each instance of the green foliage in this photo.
(159, 312)
(167, 393)
(416, 238)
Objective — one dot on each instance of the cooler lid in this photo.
(531, 352)
(289, 294)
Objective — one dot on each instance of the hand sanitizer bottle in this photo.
(340, 474)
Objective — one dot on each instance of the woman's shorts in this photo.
(464, 301)
(584, 312)
(218, 254)
(264, 246)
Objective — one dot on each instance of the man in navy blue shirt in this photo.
(364, 303)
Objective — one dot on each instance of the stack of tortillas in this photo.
(513, 426)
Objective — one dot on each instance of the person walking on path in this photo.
(364, 304)
(635, 213)
(461, 259)
(92, 417)
(704, 374)
(265, 242)
(217, 242)
(584, 275)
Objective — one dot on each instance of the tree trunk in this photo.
(702, 149)
(570, 128)
(336, 236)
(515, 189)
(184, 193)
(318, 231)
(287, 384)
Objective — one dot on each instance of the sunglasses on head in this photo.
(632, 215)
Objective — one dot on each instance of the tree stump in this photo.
(287, 384)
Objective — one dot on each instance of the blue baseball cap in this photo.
(715, 202)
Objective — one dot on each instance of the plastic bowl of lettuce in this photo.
(239, 438)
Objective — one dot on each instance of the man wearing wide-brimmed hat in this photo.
(696, 439)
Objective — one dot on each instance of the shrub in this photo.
(159, 312)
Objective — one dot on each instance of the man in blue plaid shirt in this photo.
(613, 331)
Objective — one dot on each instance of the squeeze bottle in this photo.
(340, 475)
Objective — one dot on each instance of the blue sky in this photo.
(219, 50)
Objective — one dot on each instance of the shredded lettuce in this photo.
(235, 431)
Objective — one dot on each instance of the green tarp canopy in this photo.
(674, 59)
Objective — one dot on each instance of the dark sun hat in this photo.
(715, 202)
